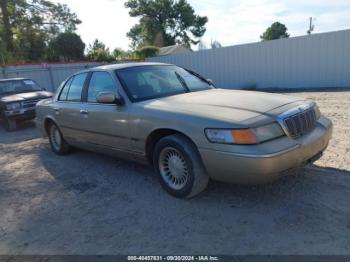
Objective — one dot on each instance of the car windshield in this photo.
(148, 82)
(18, 86)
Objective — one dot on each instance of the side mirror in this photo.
(109, 98)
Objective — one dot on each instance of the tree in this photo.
(215, 44)
(7, 30)
(2, 49)
(275, 31)
(33, 20)
(67, 47)
(164, 23)
(97, 44)
(147, 51)
(119, 53)
(30, 44)
(98, 52)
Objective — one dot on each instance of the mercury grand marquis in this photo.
(178, 122)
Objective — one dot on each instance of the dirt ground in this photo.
(86, 203)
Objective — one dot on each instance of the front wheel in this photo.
(58, 145)
(179, 166)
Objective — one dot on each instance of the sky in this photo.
(231, 22)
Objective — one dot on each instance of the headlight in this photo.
(13, 106)
(317, 112)
(244, 136)
(268, 132)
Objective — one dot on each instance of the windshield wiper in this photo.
(183, 83)
(200, 77)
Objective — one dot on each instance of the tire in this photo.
(58, 145)
(10, 125)
(179, 166)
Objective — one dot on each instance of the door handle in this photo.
(84, 112)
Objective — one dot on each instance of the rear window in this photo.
(65, 89)
(76, 88)
(72, 90)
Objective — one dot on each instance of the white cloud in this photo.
(230, 21)
(107, 20)
(235, 22)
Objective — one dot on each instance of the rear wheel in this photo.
(179, 166)
(58, 145)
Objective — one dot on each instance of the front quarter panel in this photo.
(44, 110)
(145, 119)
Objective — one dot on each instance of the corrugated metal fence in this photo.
(47, 75)
(315, 61)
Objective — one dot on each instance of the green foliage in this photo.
(7, 57)
(164, 23)
(147, 51)
(118, 53)
(97, 45)
(98, 52)
(66, 47)
(99, 55)
(30, 44)
(275, 31)
(26, 26)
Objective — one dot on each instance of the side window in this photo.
(100, 82)
(64, 91)
(76, 87)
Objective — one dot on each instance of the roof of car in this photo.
(12, 79)
(126, 65)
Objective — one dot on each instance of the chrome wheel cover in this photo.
(173, 168)
(55, 138)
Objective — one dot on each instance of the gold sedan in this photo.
(179, 123)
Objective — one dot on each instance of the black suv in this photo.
(18, 97)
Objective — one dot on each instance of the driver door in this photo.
(105, 125)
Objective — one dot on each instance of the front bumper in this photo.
(248, 168)
(21, 114)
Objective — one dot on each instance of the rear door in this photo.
(106, 124)
(69, 109)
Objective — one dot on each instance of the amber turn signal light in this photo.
(244, 136)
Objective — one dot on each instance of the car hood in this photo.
(223, 104)
(25, 96)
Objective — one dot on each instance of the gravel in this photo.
(85, 203)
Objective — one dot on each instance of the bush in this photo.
(100, 55)
(67, 47)
(147, 51)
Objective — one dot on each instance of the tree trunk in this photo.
(8, 35)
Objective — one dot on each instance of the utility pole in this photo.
(311, 27)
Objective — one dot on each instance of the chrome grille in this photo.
(300, 123)
(30, 103)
